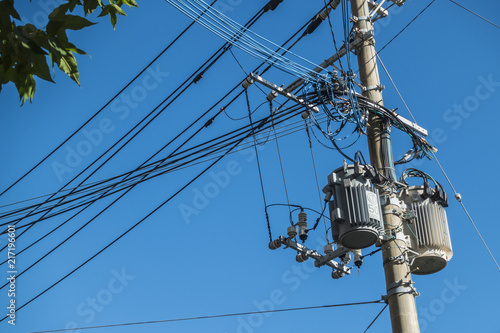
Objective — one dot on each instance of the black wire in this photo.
(258, 164)
(130, 229)
(103, 107)
(482, 18)
(231, 90)
(371, 253)
(373, 321)
(282, 118)
(333, 37)
(236, 86)
(319, 218)
(198, 119)
(222, 50)
(406, 26)
(216, 316)
(24, 249)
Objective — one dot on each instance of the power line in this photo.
(248, 23)
(482, 18)
(216, 56)
(218, 316)
(98, 183)
(458, 197)
(131, 228)
(374, 320)
(395, 87)
(406, 26)
(211, 120)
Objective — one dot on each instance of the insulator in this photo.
(247, 82)
(328, 248)
(324, 14)
(301, 257)
(272, 95)
(272, 4)
(305, 115)
(313, 25)
(302, 217)
(302, 226)
(198, 78)
(358, 259)
(328, 195)
(291, 231)
(337, 274)
(275, 244)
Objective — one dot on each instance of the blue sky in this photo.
(216, 261)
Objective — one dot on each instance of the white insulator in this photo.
(358, 259)
(458, 197)
(291, 231)
(301, 257)
(274, 244)
(272, 95)
(337, 274)
(247, 82)
(328, 248)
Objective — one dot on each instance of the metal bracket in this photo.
(282, 91)
(376, 87)
(400, 287)
(319, 259)
(356, 19)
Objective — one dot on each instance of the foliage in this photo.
(25, 49)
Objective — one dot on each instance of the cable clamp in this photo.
(400, 287)
(364, 34)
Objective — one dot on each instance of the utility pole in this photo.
(400, 293)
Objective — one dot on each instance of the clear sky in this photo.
(214, 259)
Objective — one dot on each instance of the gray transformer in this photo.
(355, 212)
(428, 233)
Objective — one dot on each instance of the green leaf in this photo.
(130, 3)
(74, 22)
(26, 88)
(54, 26)
(112, 16)
(118, 10)
(111, 10)
(67, 63)
(90, 5)
(64, 42)
(41, 68)
(7, 7)
(73, 3)
(58, 13)
(104, 11)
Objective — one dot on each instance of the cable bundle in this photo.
(246, 40)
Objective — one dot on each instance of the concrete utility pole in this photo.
(400, 293)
